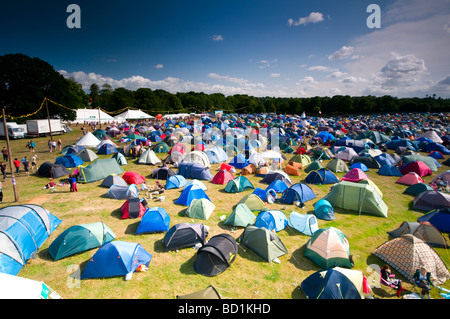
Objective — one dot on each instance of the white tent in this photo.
(133, 115)
(15, 287)
(92, 115)
(88, 140)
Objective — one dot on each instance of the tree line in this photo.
(25, 82)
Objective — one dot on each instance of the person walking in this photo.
(73, 183)
(17, 165)
(5, 154)
(26, 166)
(1, 192)
(3, 169)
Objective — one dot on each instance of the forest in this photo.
(25, 82)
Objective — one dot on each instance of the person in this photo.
(387, 276)
(5, 154)
(59, 144)
(1, 192)
(17, 165)
(34, 162)
(50, 144)
(422, 279)
(32, 145)
(73, 183)
(3, 169)
(26, 166)
(54, 146)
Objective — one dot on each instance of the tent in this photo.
(346, 153)
(92, 115)
(71, 160)
(216, 256)
(23, 230)
(123, 192)
(274, 175)
(335, 283)
(222, 177)
(423, 230)
(337, 166)
(195, 182)
(87, 155)
(410, 178)
(358, 197)
(297, 193)
(120, 159)
(161, 147)
(133, 178)
(113, 179)
(329, 247)
(389, 170)
(133, 115)
(239, 184)
(278, 186)
(354, 175)
(241, 216)
(175, 181)
(303, 159)
(273, 220)
(253, 202)
(439, 218)
(249, 169)
(216, 155)
(359, 165)
(200, 208)
(417, 188)
(418, 167)
(80, 238)
(52, 170)
(324, 210)
(408, 253)
(155, 219)
(20, 288)
(429, 200)
(305, 223)
(314, 166)
(263, 242)
(239, 161)
(88, 140)
(208, 293)
(98, 170)
(293, 169)
(198, 157)
(162, 173)
(190, 193)
(184, 235)
(148, 158)
(106, 149)
(368, 161)
(116, 258)
(72, 149)
(429, 161)
(132, 208)
(321, 176)
(99, 133)
(194, 170)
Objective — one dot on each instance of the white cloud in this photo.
(217, 37)
(402, 70)
(159, 66)
(346, 52)
(322, 68)
(308, 79)
(275, 75)
(313, 17)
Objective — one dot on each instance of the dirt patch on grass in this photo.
(38, 200)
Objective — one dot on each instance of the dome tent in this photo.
(429, 200)
(305, 223)
(116, 258)
(184, 235)
(98, 170)
(133, 178)
(439, 218)
(80, 238)
(238, 184)
(200, 208)
(298, 192)
(423, 230)
(241, 216)
(175, 181)
(113, 179)
(190, 193)
(263, 242)
(67, 161)
(324, 210)
(123, 192)
(148, 158)
(52, 170)
(273, 220)
(132, 208)
(216, 255)
(222, 177)
(321, 176)
(155, 219)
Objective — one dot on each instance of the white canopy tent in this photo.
(92, 115)
(133, 115)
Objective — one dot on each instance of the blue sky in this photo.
(261, 48)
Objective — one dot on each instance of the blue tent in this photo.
(404, 142)
(359, 165)
(389, 170)
(116, 258)
(239, 161)
(324, 210)
(384, 159)
(298, 192)
(321, 176)
(273, 220)
(23, 230)
(334, 283)
(70, 160)
(305, 223)
(430, 147)
(278, 186)
(175, 181)
(107, 149)
(155, 219)
(325, 136)
(194, 170)
(216, 155)
(439, 218)
(190, 193)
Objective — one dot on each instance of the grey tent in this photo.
(264, 242)
(208, 293)
(113, 179)
(123, 192)
(424, 230)
(87, 155)
(429, 200)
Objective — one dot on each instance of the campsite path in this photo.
(38, 200)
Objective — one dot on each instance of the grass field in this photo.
(172, 273)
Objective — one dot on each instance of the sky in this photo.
(282, 48)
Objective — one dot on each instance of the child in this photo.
(73, 183)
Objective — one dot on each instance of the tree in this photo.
(94, 92)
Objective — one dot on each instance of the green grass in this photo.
(172, 273)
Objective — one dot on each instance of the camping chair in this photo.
(388, 284)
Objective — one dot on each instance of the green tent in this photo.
(304, 159)
(161, 147)
(100, 134)
(253, 202)
(417, 157)
(200, 208)
(358, 197)
(242, 216)
(239, 184)
(314, 166)
(98, 170)
(80, 238)
(329, 247)
(264, 242)
(337, 166)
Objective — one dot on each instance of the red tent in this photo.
(226, 166)
(133, 178)
(418, 167)
(132, 208)
(301, 150)
(410, 178)
(355, 175)
(222, 177)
